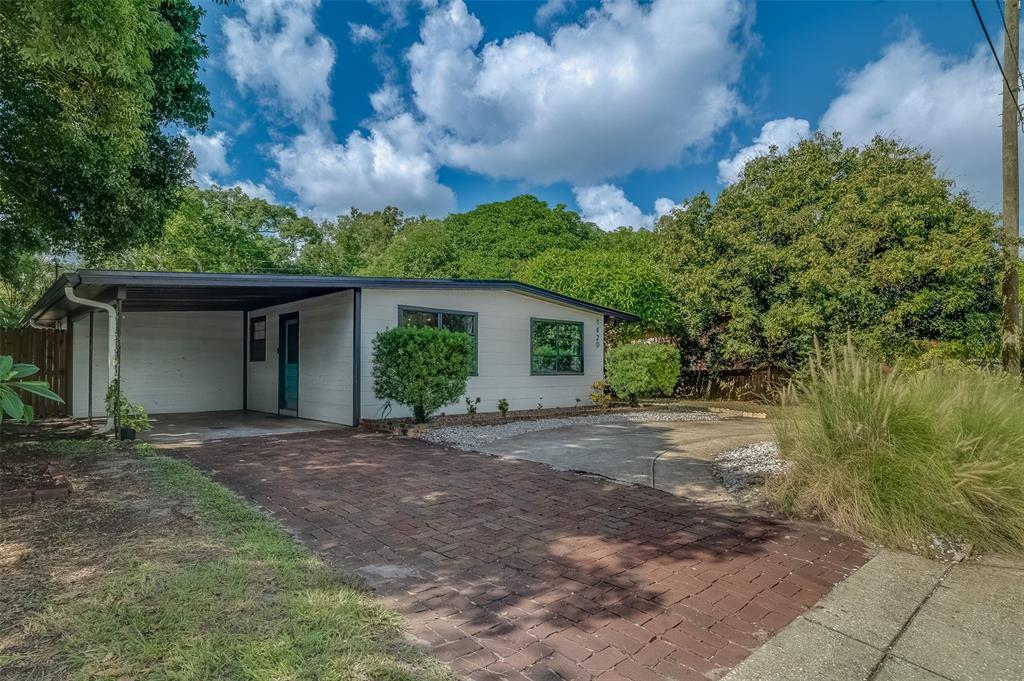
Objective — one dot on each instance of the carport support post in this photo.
(122, 293)
(357, 341)
(92, 326)
(245, 360)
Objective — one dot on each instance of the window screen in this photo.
(258, 339)
(556, 347)
(464, 322)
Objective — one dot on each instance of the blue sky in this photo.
(620, 109)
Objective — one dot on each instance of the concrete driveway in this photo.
(674, 456)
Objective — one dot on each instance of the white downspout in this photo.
(69, 293)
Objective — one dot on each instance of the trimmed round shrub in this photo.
(643, 370)
(421, 368)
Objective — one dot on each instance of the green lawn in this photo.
(154, 571)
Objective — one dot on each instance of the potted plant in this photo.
(132, 417)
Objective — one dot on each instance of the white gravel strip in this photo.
(749, 465)
(470, 438)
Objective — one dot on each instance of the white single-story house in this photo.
(301, 345)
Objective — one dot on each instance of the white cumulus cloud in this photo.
(782, 133)
(630, 86)
(946, 105)
(363, 33)
(275, 51)
(256, 190)
(551, 9)
(211, 156)
(213, 168)
(606, 206)
(388, 165)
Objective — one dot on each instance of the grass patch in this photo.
(223, 593)
(902, 456)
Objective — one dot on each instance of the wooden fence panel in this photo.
(759, 385)
(47, 349)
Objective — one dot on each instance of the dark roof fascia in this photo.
(51, 296)
(142, 279)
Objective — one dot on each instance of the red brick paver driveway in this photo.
(512, 570)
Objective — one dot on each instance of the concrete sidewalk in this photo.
(904, 618)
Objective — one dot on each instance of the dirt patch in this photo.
(46, 430)
(25, 482)
(52, 551)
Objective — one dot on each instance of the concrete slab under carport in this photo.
(190, 430)
(673, 456)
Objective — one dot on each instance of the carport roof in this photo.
(181, 291)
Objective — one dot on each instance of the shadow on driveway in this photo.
(508, 569)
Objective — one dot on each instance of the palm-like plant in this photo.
(12, 380)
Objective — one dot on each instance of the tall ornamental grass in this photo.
(901, 456)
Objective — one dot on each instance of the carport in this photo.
(176, 342)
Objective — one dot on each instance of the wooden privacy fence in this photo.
(760, 385)
(47, 349)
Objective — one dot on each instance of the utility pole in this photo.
(1011, 331)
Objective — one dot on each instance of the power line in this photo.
(995, 56)
(1013, 50)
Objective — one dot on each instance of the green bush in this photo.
(421, 367)
(643, 370)
(12, 380)
(902, 456)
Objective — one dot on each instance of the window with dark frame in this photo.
(450, 320)
(556, 347)
(258, 339)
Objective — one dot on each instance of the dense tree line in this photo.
(817, 242)
(90, 93)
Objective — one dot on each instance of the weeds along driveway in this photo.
(509, 569)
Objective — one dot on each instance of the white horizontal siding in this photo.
(80, 366)
(325, 359)
(504, 347)
(171, 362)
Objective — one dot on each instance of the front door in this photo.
(288, 362)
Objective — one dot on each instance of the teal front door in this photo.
(288, 361)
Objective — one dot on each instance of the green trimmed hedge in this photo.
(643, 370)
(421, 368)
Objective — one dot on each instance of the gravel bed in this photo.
(749, 465)
(470, 438)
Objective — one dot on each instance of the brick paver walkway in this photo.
(511, 570)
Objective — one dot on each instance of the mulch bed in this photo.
(406, 426)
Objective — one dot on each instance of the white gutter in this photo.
(36, 325)
(69, 293)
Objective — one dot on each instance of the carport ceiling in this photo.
(201, 298)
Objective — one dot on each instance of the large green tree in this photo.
(349, 243)
(624, 280)
(489, 242)
(22, 286)
(88, 89)
(224, 230)
(826, 239)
